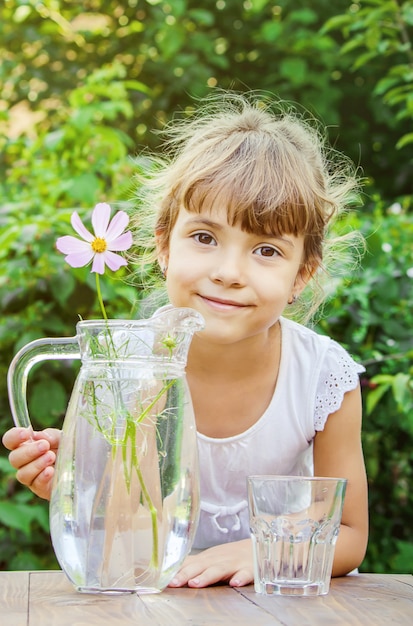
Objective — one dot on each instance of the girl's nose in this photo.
(229, 271)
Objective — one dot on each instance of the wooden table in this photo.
(48, 599)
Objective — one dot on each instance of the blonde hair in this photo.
(269, 165)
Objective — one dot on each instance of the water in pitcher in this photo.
(129, 522)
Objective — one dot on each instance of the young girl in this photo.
(242, 213)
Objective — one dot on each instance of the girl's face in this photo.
(240, 282)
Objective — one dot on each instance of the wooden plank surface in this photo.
(53, 598)
(362, 600)
(14, 599)
(218, 606)
(48, 598)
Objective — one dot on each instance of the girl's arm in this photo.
(33, 455)
(338, 453)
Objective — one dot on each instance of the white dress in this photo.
(315, 373)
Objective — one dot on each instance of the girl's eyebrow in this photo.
(202, 221)
(281, 238)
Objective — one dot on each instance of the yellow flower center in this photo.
(99, 244)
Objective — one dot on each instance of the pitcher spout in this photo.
(175, 327)
(180, 319)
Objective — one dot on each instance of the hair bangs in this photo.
(260, 201)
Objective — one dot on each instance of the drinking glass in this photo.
(294, 523)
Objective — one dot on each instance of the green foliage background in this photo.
(81, 87)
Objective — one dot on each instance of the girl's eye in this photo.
(204, 238)
(266, 251)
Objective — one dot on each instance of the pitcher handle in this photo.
(34, 352)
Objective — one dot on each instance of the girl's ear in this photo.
(161, 250)
(303, 277)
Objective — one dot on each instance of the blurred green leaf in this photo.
(376, 394)
(50, 395)
(16, 516)
(84, 187)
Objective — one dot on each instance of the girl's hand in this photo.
(230, 562)
(33, 455)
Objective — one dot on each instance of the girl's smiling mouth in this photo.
(223, 304)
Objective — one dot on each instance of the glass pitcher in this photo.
(125, 501)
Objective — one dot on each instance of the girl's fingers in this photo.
(209, 576)
(27, 473)
(15, 437)
(33, 455)
(31, 452)
(38, 473)
(52, 435)
(241, 578)
(42, 483)
(229, 562)
(203, 577)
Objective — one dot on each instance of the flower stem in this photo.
(131, 429)
(145, 494)
(99, 292)
(105, 317)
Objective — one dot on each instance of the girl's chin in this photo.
(219, 333)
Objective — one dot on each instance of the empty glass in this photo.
(294, 523)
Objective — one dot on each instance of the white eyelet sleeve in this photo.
(339, 374)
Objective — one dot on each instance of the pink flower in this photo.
(100, 247)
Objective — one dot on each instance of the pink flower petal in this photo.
(113, 261)
(79, 259)
(123, 242)
(80, 228)
(100, 219)
(69, 245)
(117, 226)
(98, 265)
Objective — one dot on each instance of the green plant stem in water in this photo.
(130, 433)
